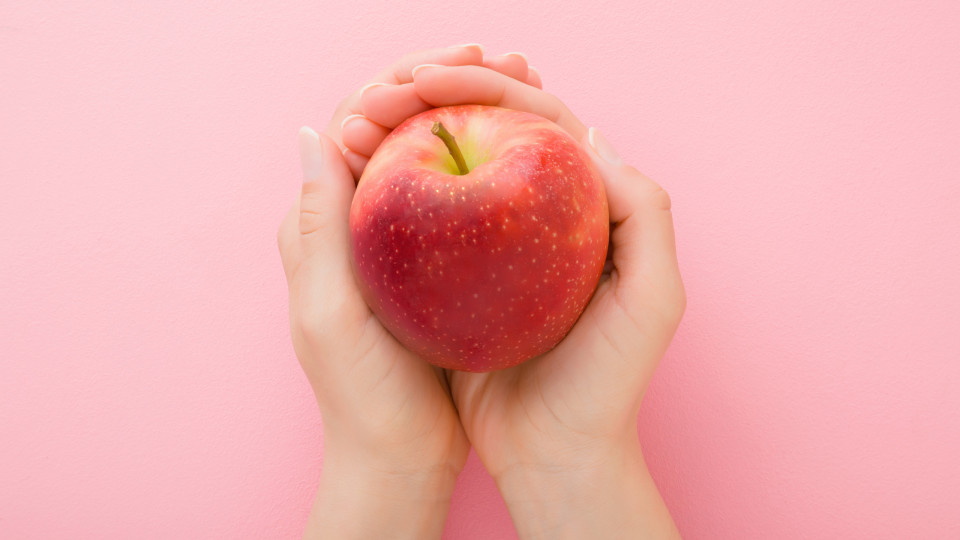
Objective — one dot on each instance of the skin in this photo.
(558, 433)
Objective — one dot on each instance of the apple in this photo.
(478, 235)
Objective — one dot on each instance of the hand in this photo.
(393, 444)
(558, 433)
(391, 99)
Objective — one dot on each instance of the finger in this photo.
(389, 105)
(361, 135)
(643, 239)
(325, 196)
(441, 86)
(533, 77)
(401, 72)
(513, 65)
(288, 239)
(323, 294)
(356, 163)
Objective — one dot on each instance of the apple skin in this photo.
(486, 270)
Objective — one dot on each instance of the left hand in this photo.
(393, 444)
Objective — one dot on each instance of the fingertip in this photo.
(480, 48)
(371, 93)
(347, 120)
(327, 166)
(588, 145)
(326, 191)
(475, 53)
(363, 91)
(311, 154)
(307, 131)
(423, 66)
(513, 65)
(602, 148)
(326, 139)
(643, 240)
(520, 54)
(621, 202)
(401, 72)
(469, 54)
(362, 135)
(533, 77)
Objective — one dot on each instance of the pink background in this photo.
(148, 387)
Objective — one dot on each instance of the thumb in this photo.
(325, 301)
(325, 195)
(642, 240)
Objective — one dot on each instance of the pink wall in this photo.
(148, 388)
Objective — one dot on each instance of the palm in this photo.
(409, 399)
(405, 400)
(563, 394)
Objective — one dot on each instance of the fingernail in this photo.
(348, 119)
(414, 71)
(311, 155)
(465, 45)
(533, 69)
(603, 148)
(369, 86)
(520, 54)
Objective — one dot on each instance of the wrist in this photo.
(357, 499)
(605, 493)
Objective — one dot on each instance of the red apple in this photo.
(484, 264)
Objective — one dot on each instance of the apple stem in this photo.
(451, 143)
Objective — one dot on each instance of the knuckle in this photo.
(402, 68)
(678, 303)
(313, 321)
(407, 59)
(651, 193)
(660, 199)
(342, 107)
(323, 322)
(561, 113)
(673, 304)
(342, 110)
(311, 326)
(337, 117)
(312, 217)
(311, 222)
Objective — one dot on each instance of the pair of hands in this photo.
(557, 433)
